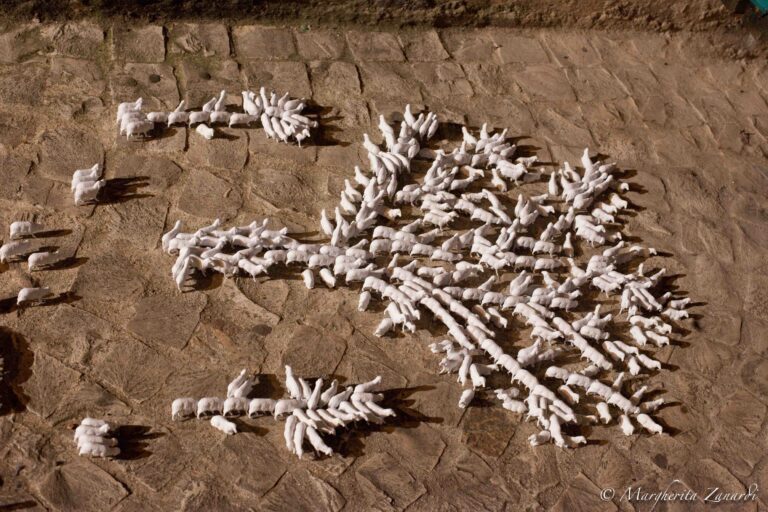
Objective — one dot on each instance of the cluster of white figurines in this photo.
(94, 437)
(280, 116)
(22, 246)
(423, 231)
(309, 412)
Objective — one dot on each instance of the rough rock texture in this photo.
(689, 121)
(654, 14)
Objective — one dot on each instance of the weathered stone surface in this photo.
(278, 76)
(320, 45)
(743, 411)
(235, 321)
(285, 188)
(32, 75)
(369, 46)
(472, 484)
(386, 483)
(202, 79)
(140, 376)
(487, 430)
(227, 150)
(108, 278)
(134, 215)
(513, 47)
(545, 82)
(159, 173)
(167, 460)
(260, 146)
(64, 149)
(388, 81)
(81, 485)
(22, 43)
(154, 83)
(572, 49)
(422, 46)
(139, 44)
(582, 494)
(208, 196)
(688, 119)
(205, 39)
(596, 83)
(442, 79)
(420, 446)
(167, 320)
(304, 362)
(334, 81)
(255, 467)
(79, 39)
(49, 384)
(315, 494)
(478, 47)
(263, 43)
(74, 87)
(20, 184)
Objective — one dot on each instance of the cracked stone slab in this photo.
(75, 86)
(79, 39)
(442, 79)
(263, 43)
(423, 46)
(206, 39)
(332, 81)
(227, 150)
(284, 188)
(22, 43)
(256, 466)
(487, 430)
(140, 376)
(304, 362)
(513, 47)
(65, 149)
(320, 45)
(386, 483)
(167, 320)
(81, 485)
(315, 494)
(49, 384)
(154, 83)
(278, 76)
(367, 46)
(388, 80)
(203, 78)
(160, 173)
(582, 495)
(108, 278)
(139, 43)
(32, 74)
(207, 196)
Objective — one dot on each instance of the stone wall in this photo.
(648, 14)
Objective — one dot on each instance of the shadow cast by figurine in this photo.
(133, 441)
(16, 360)
(119, 190)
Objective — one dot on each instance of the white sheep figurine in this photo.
(93, 438)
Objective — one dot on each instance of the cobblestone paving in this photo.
(693, 126)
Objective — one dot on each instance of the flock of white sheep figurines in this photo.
(435, 231)
(280, 117)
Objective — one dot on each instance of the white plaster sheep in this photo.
(29, 296)
(24, 229)
(91, 438)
